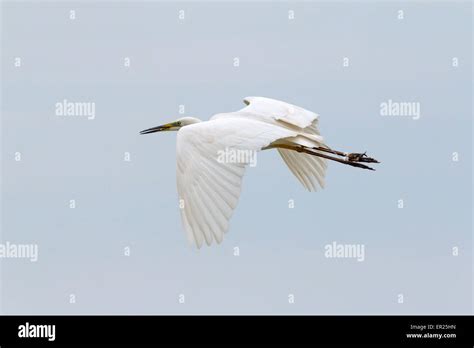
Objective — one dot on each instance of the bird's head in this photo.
(172, 126)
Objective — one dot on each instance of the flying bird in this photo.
(209, 188)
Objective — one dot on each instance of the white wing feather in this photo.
(309, 170)
(280, 111)
(209, 188)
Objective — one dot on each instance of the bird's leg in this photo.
(310, 151)
(327, 149)
(352, 157)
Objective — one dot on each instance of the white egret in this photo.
(209, 188)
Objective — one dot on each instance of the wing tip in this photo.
(248, 100)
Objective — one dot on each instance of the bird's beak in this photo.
(164, 127)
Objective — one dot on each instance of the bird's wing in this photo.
(280, 111)
(309, 170)
(211, 160)
(277, 112)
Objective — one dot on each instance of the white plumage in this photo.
(209, 189)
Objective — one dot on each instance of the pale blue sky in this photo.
(190, 62)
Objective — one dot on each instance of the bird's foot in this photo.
(359, 165)
(361, 157)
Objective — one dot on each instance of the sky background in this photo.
(190, 62)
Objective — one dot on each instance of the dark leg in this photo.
(311, 151)
(353, 157)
